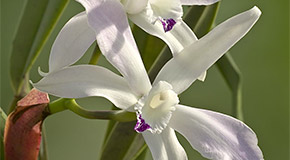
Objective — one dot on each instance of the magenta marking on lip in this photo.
(141, 125)
(168, 24)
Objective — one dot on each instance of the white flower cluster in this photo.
(159, 114)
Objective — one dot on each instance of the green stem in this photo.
(233, 78)
(43, 155)
(162, 58)
(95, 56)
(64, 104)
(57, 105)
(140, 152)
(119, 115)
(237, 100)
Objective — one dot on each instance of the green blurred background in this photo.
(262, 56)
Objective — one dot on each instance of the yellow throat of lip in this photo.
(159, 99)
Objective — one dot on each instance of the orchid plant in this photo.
(157, 108)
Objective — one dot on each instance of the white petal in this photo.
(71, 43)
(202, 76)
(114, 36)
(198, 2)
(179, 37)
(164, 146)
(41, 73)
(156, 145)
(184, 35)
(88, 80)
(173, 147)
(215, 135)
(167, 9)
(182, 70)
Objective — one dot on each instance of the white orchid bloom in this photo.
(168, 13)
(161, 16)
(156, 17)
(159, 114)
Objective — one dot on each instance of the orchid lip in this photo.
(141, 125)
(167, 24)
(154, 110)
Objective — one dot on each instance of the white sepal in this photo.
(215, 135)
(182, 70)
(71, 43)
(88, 80)
(109, 21)
(164, 146)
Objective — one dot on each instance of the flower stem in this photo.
(65, 103)
(57, 105)
(95, 56)
(162, 58)
(233, 78)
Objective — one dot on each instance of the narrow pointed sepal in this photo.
(182, 70)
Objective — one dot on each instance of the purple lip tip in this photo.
(141, 125)
(168, 24)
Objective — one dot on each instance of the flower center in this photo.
(155, 109)
(134, 6)
(159, 99)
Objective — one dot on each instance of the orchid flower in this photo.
(159, 114)
(156, 17)
(163, 19)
